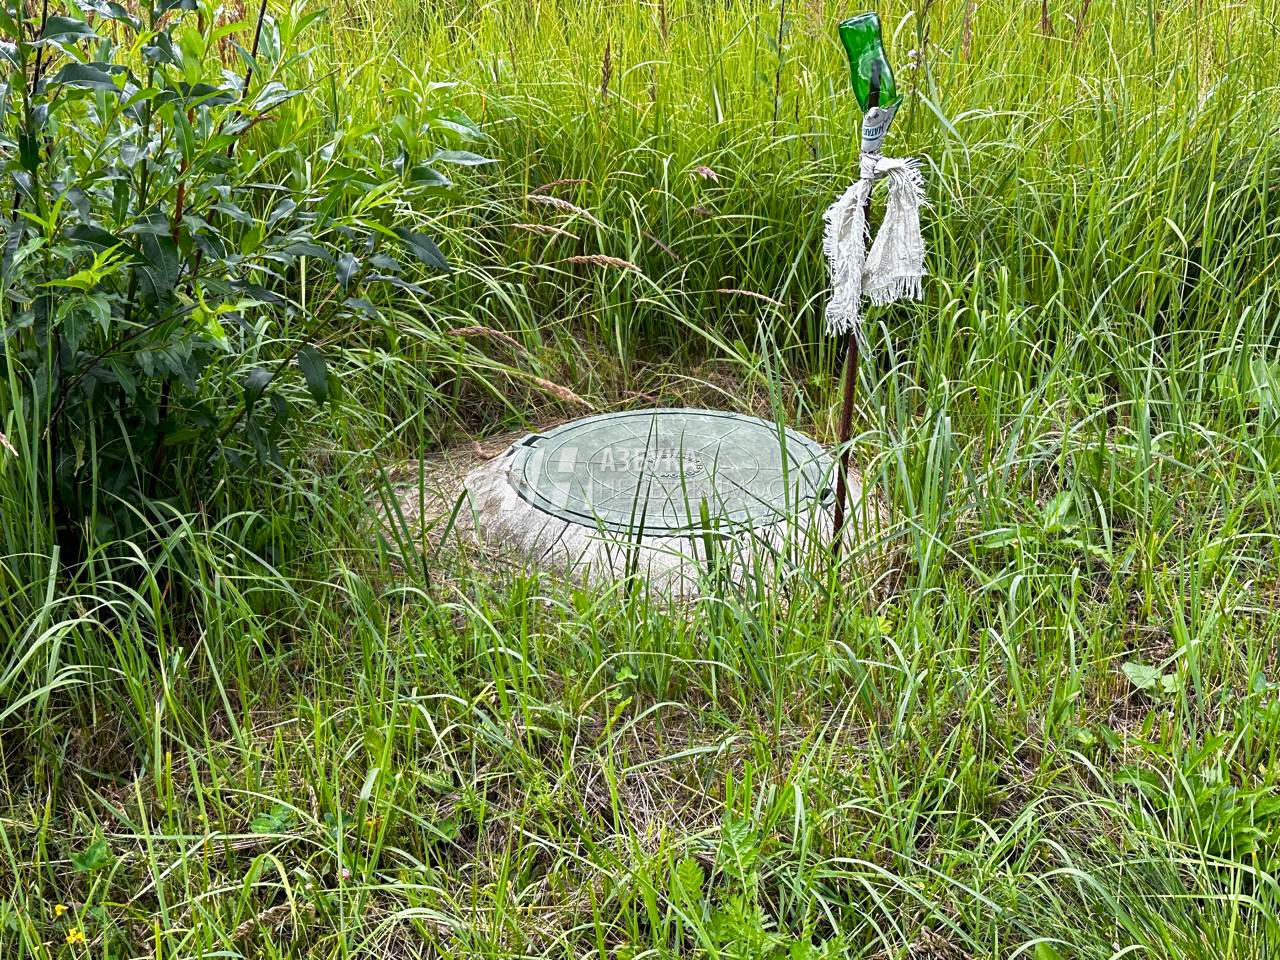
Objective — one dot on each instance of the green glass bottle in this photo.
(861, 38)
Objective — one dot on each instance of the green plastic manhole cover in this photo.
(660, 471)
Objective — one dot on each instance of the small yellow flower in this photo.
(75, 935)
(372, 822)
(59, 909)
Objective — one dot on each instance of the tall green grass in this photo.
(1044, 727)
(1120, 170)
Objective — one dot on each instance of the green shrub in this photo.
(170, 275)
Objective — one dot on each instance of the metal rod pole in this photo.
(846, 427)
(850, 380)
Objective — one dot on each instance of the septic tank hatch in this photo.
(660, 471)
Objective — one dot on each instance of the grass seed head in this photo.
(601, 260)
(564, 206)
(544, 230)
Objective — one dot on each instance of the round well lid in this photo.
(661, 471)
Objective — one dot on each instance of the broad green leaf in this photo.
(315, 372)
(425, 176)
(381, 261)
(304, 249)
(1001, 538)
(67, 30)
(29, 157)
(1085, 737)
(1141, 675)
(93, 236)
(161, 50)
(456, 121)
(424, 248)
(1057, 513)
(111, 11)
(256, 291)
(397, 282)
(348, 265)
(1110, 739)
(255, 382)
(93, 76)
(461, 158)
(278, 819)
(96, 856)
(281, 210)
(229, 209)
(160, 267)
(272, 94)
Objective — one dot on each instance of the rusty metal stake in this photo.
(846, 425)
(850, 378)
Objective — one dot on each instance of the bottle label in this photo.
(875, 124)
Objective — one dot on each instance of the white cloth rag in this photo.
(894, 268)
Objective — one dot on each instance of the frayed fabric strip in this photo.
(894, 267)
